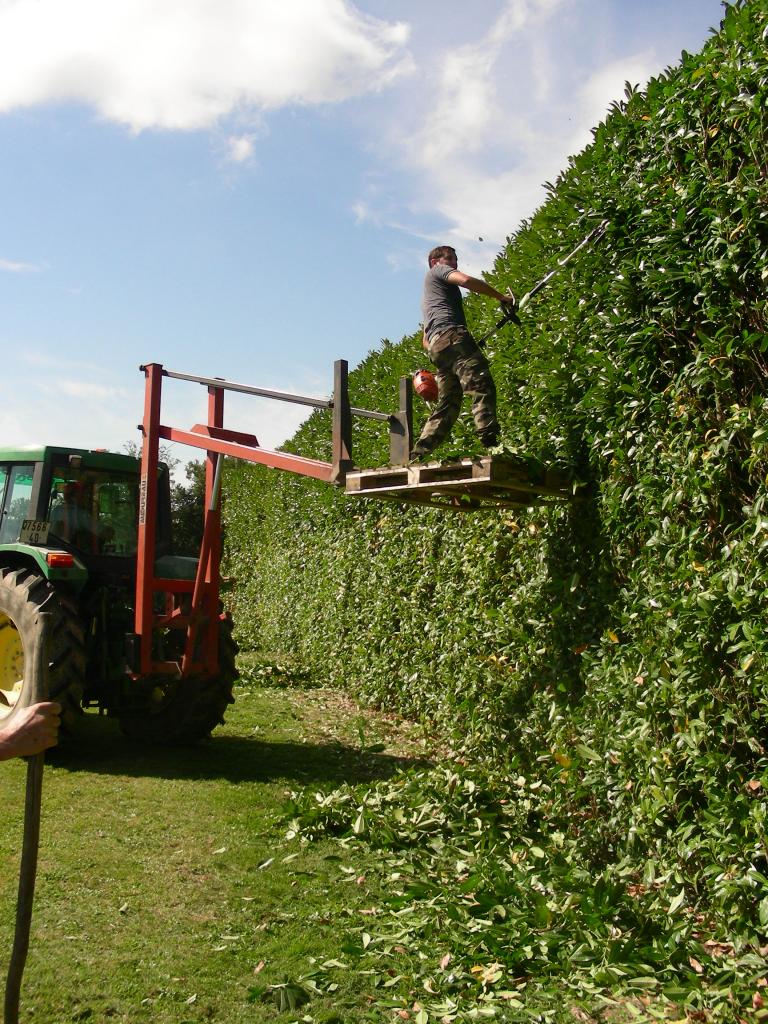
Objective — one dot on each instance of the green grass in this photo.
(165, 892)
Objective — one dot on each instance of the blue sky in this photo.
(247, 189)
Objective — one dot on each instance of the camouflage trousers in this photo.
(462, 370)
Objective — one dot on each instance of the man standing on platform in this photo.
(462, 367)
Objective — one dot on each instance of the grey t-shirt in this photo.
(441, 304)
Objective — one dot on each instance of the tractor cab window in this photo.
(16, 502)
(94, 511)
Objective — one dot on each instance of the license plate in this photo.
(34, 531)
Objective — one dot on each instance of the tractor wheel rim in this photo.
(11, 665)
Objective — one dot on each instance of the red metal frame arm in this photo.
(263, 456)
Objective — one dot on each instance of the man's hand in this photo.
(508, 306)
(32, 730)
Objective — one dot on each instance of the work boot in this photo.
(418, 454)
(490, 438)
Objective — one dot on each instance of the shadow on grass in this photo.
(100, 748)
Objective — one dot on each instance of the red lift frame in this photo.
(193, 606)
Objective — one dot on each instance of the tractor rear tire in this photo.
(23, 594)
(184, 711)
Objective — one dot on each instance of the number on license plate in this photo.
(34, 531)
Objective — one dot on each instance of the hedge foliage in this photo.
(617, 645)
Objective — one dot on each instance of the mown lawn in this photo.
(164, 890)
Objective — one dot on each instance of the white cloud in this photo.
(606, 84)
(184, 64)
(16, 267)
(470, 103)
(88, 391)
(240, 148)
(11, 427)
(98, 409)
(480, 203)
(363, 212)
(491, 120)
(478, 147)
(42, 412)
(408, 258)
(43, 360)
(272, 421)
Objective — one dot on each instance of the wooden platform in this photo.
(486, 482)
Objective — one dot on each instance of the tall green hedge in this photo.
(609, 655)
(635, 617)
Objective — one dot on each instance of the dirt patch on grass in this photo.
(327, 715)
(334, 716)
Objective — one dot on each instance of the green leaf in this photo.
(677, 902)
(289, 996)
(587, 752)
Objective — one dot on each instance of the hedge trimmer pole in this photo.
(511, 317)
(594, 235)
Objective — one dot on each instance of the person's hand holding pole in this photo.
(508, 306)
(32, 730)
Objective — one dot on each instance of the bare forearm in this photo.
(11, 746)
(483, 288)
(7, 746)
(476, 284)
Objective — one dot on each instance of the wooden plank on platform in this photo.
(465, 484)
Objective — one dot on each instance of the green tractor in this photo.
(69, 529)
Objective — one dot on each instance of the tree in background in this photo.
(187, 502)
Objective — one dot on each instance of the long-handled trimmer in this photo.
(511, 317)
(35, 689)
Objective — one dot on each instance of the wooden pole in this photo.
(36, 690)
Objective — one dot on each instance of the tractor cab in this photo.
(94, 512)
(83, 502)
(69, 523)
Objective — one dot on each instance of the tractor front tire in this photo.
(184, 711)
(24, 593)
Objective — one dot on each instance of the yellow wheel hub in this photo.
(11, 664)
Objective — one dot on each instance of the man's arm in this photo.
(33, 730)
(475, 284)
